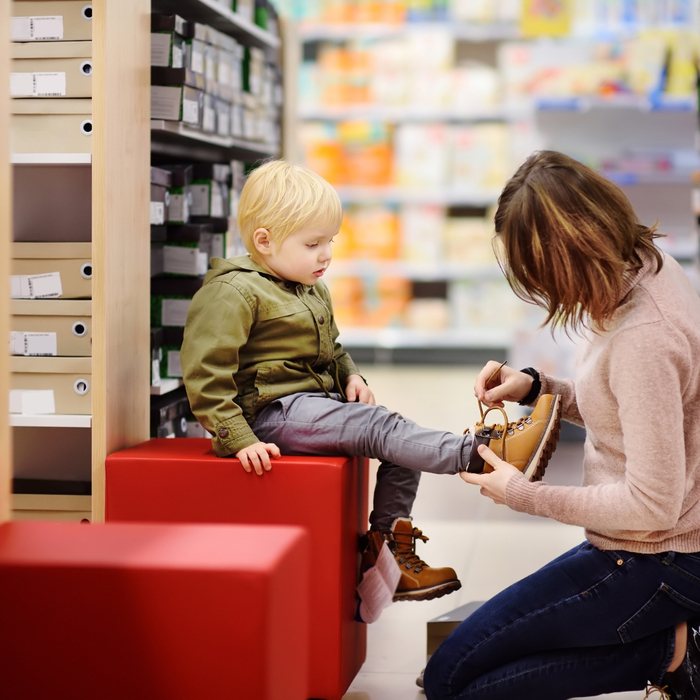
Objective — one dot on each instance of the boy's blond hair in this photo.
(284, 198)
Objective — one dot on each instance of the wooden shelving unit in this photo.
(119, 222)
(5, 239)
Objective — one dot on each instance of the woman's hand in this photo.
(493, 485)
(507, 385)
(357, 390)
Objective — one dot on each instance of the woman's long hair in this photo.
(568, 236)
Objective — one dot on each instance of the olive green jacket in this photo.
(251, 338)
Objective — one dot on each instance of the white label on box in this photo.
(45, 286)
(24, 343)
(36, 28)
(21, 84)
(174, 312)
(217, 245)
(174, 365)
(179, 208)
(212, 244)
(217, 201)
(223, 123)
(200, 200)
(160, 49)
(202, 263)
(32, 402)
(178, 58)
(197, 62)
(209, 119)
(165, 102)
(190, 111)
(50, 84)
(157, 213)
(45, 28)
(155, 373)
(21, 29)
(180, 261)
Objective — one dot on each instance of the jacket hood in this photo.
(221, 266)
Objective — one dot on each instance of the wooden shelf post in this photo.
(120, 231)
(5, 239)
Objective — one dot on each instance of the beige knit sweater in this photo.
(637, 392)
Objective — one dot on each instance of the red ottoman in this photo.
(153, 612)
(181, 480)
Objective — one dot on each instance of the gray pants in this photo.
(313, 424)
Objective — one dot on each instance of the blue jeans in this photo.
(587, 623)
(313, 424)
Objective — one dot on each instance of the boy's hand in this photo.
(357, 390)
(257, 456)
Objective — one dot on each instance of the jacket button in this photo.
(321, 320)
(223, 432)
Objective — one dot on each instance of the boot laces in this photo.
(405, 552)
(660, 690)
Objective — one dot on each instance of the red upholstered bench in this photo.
(153, 612)
(181, 480)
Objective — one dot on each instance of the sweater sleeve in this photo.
(218, 324)
(567, 390)
(646, 368)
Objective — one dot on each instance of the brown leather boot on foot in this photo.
(527, 443)
(418, 580)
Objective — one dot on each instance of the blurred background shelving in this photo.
(418, 112)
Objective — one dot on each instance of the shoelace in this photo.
(660, 690)
(497, 429)
(405, 552)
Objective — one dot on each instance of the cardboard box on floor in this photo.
(440, 627)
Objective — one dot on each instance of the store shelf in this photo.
(403, 114)
(399, 195)
(216, 15)
(396, 338)
(51, 158)
(166, 386)
(176, 138)
(413, 270)
(53, 420)
(460, 31)
(637, 102)
(658, 178)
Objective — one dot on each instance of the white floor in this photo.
(489, 546)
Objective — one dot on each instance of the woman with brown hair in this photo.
(622, 609)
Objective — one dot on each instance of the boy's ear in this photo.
(262, 241)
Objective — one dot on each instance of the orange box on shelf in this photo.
(375, 232)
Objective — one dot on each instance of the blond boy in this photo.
(265, 372)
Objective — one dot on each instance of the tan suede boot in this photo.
(418, 580)
(527, 443)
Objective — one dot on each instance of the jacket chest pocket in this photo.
(272, 312)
